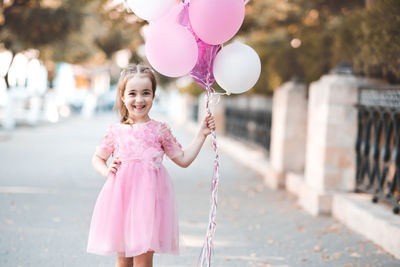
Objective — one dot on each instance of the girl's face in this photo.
(138, 97)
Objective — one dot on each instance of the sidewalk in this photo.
(48, 190)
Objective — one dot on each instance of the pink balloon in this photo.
(170, 18)
(172, 15)
(216, 21)
(171, 49)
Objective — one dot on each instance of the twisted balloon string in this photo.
(202, 73)
(206, 252)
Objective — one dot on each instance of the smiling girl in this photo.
(135, 214)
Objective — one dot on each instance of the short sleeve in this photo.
(106, 146)
(169, 143)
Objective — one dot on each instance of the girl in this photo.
(135, 214)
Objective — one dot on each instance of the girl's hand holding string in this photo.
(113, 168)
(207, 125)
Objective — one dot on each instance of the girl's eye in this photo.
(145, 93)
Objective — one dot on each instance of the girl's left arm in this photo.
(191, 152)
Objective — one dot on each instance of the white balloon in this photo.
(237, 68)
(150, 9)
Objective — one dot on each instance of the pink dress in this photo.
(135, 211)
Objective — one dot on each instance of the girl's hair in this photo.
(126, 74)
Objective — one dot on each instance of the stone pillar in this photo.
(331, 134)
(288, 133)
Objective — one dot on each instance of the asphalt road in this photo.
(48, 190)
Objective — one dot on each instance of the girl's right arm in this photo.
(100, 165)
(103, 152)
(186, 157)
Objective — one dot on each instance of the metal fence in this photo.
(378, 144)
(249, 118)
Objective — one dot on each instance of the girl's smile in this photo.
(138, 98)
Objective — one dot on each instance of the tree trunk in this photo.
(370, 3)
(6, 79)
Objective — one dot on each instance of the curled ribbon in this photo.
(202, 74)
(206, 252)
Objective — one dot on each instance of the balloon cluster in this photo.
(186, 37)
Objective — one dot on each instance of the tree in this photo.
(69, 30)
(74, 31)
(294, 38)
(31, 23)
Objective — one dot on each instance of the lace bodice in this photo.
(142, 141)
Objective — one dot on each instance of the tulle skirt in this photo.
(135, 212)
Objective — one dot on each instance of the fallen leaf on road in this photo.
(301, 228)
(260, 188)
(337, 255)
(355, 254)
(317, 248)
(332, 229)
(329, 229)
(380, 251)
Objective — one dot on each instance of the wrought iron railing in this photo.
(249, 123)
(378, 144)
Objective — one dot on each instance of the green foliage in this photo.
(119, 29)
(370, 40)
(330, 32)
(29, 25)
(75, 31)
(193, 88)
(304, 38)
